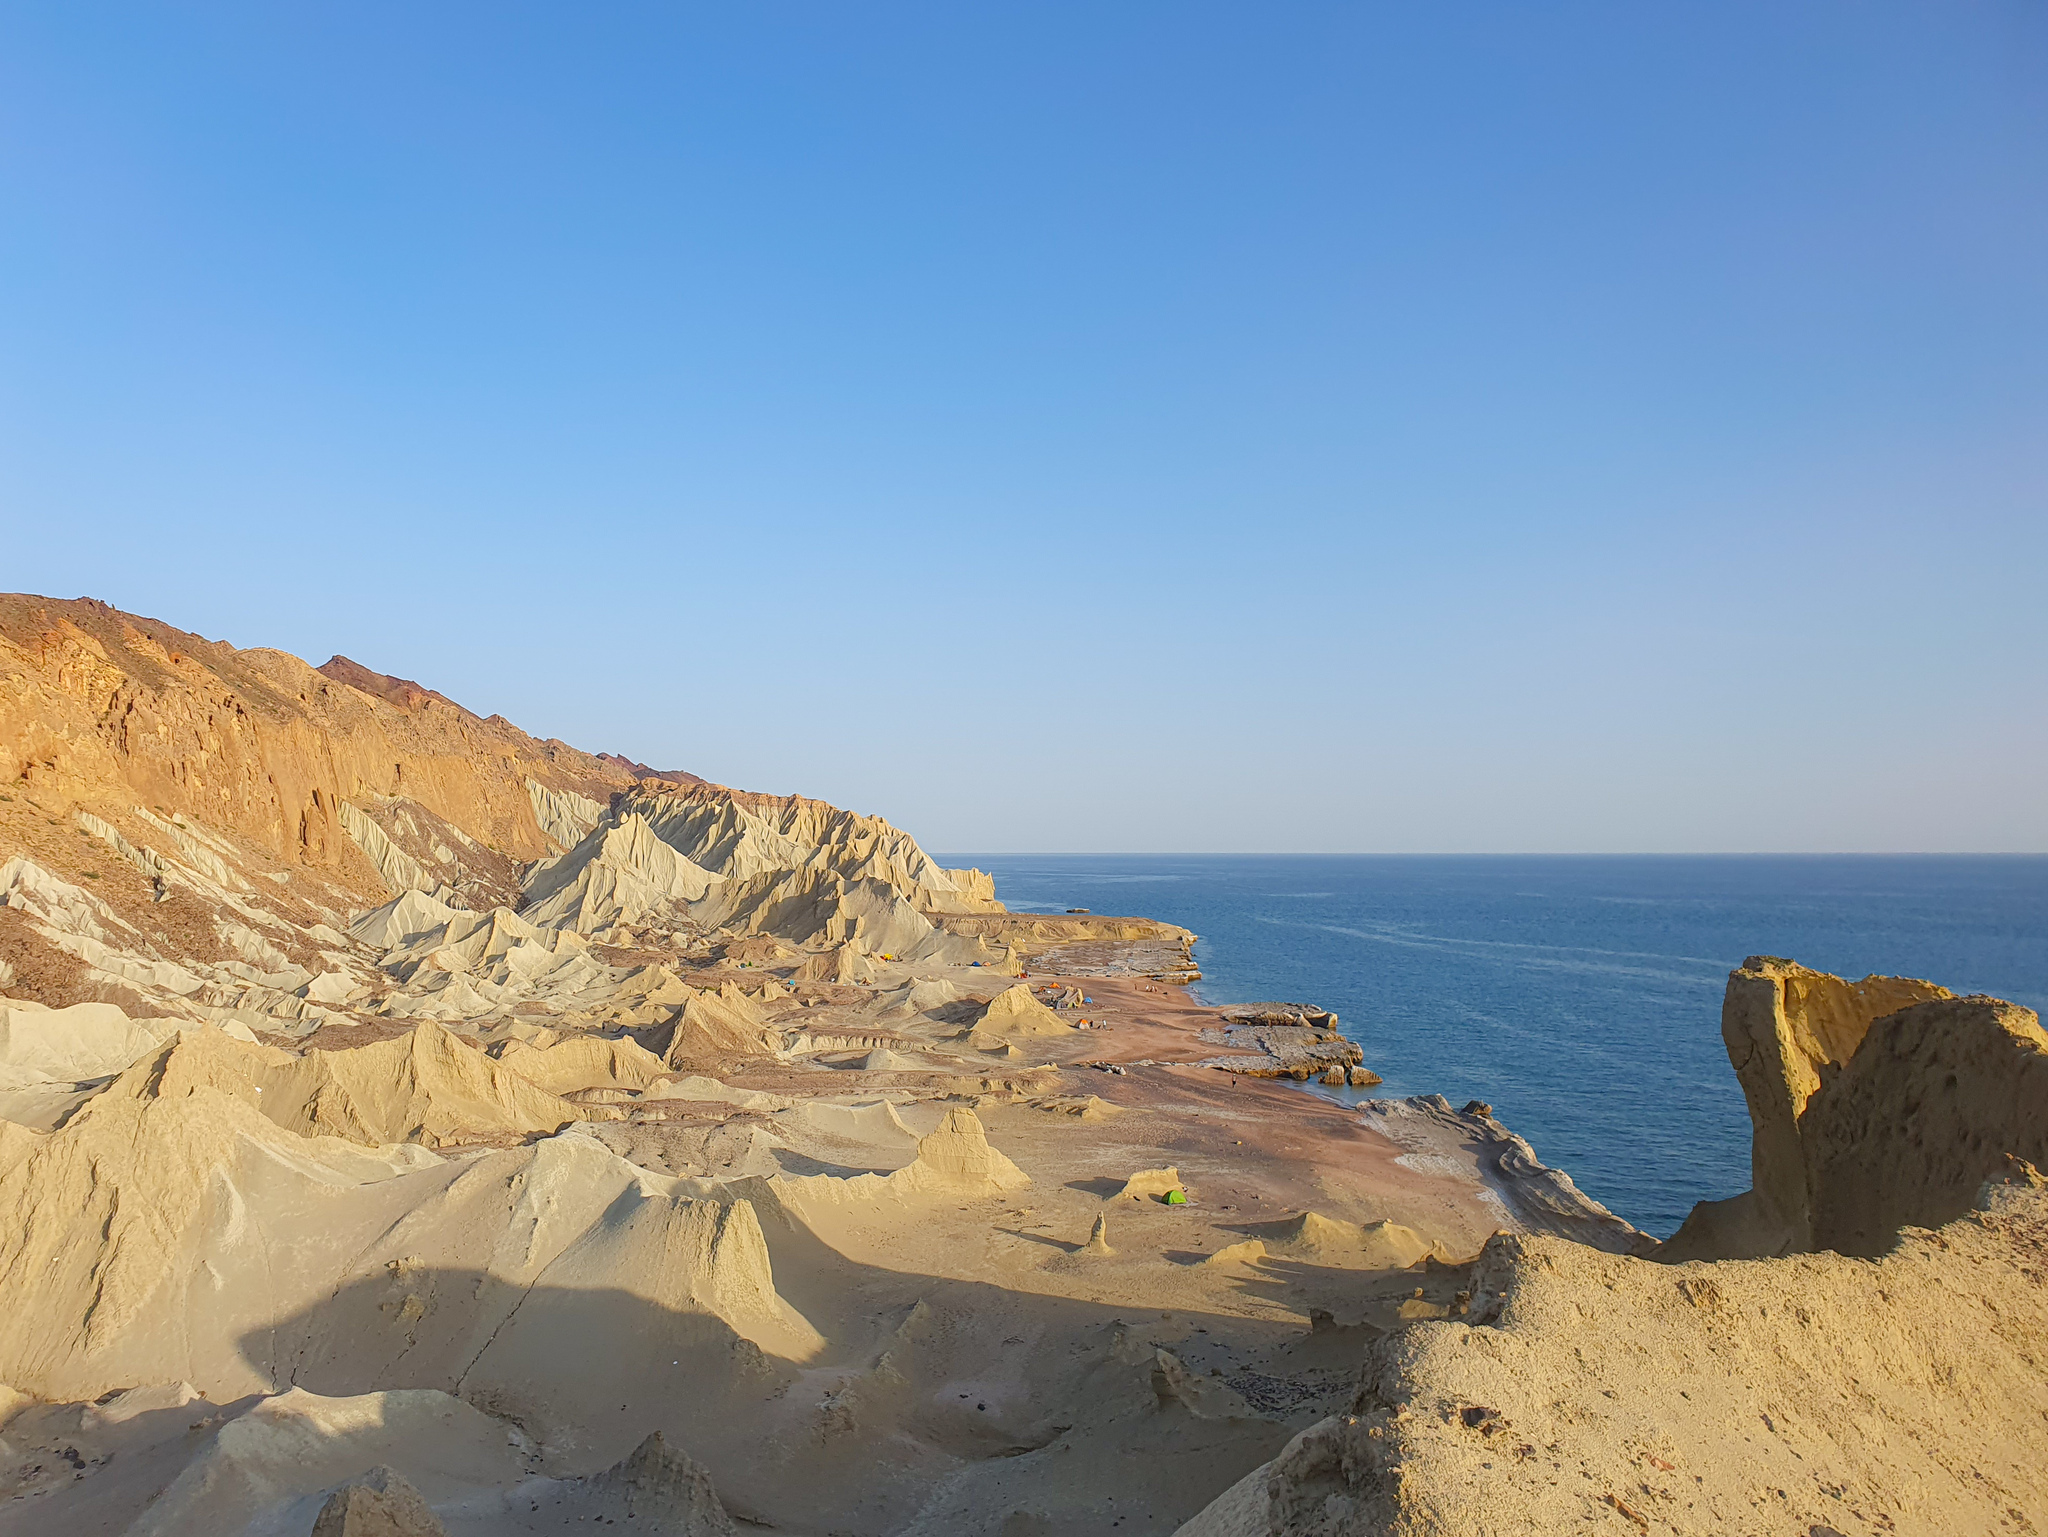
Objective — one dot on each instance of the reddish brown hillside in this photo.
(403, 692)
(100, 705)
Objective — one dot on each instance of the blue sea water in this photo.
(1580, 996)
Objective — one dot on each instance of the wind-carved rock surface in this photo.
(1796, 1038)
(1932, 1104)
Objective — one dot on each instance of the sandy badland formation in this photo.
(408, 1126)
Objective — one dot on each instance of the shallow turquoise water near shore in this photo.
(1580, 996)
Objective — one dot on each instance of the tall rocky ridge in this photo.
(183, 824)
(96, 704)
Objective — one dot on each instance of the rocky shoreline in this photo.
(407, 1121)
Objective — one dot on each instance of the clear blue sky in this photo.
(1135, 426)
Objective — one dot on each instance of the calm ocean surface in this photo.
(1580, 996)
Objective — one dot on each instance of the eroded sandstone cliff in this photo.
(1876, 1104)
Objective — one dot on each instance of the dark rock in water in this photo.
(1280, 1051)
(662, 1491)
(379, 1504)
(1540, 1197)
(1306, 1015)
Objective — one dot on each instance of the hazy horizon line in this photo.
(1498, 853)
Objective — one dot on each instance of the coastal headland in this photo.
(410, 1125)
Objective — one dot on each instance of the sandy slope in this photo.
(859, 1309)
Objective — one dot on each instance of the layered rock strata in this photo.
(1280, 1050)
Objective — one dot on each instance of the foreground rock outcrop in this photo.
(1590, 1392)
(1890, 1380)
(1876, 1105)
(658, 1489)
(379, 1504)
